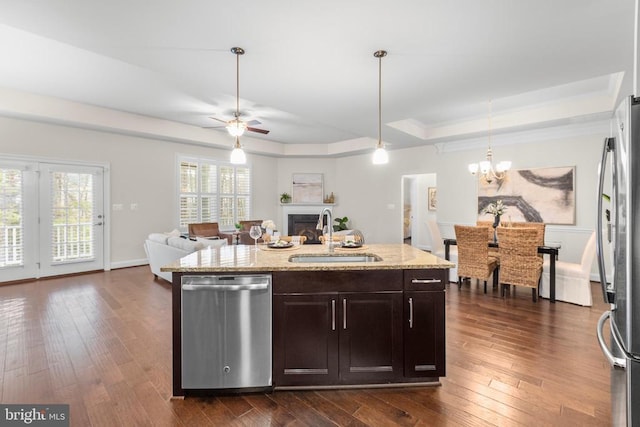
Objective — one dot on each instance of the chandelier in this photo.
(487, 171)
(380, 156)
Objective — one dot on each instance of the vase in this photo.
(496, 223)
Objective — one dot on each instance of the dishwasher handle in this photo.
(227, 287)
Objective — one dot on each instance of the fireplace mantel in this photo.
(294, 209)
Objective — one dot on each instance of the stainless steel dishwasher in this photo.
(226, 331)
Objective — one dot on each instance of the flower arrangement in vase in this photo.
(497, 209)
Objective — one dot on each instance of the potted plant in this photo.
(341, 224)
(285, 198)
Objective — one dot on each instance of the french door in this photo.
(51, 219)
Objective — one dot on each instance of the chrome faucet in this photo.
(326, 211)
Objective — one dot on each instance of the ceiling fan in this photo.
(236, 126)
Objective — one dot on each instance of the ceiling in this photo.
(309, 75)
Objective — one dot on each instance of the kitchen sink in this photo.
(328, 258)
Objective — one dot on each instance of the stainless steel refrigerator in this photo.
(621, 162)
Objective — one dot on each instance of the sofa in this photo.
(164, 248)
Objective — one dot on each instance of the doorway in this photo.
(416, 210)
(51, 219)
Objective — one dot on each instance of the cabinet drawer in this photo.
(287, 282)
(425, 280)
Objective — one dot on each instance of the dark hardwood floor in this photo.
(101, 342)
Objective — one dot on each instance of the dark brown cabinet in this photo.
(424, 326)
(370, 337)
(358, 327)
(305, 339)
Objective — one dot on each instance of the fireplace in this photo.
(304, 225)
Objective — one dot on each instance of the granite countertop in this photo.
(247, 258)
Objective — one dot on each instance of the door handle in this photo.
(410, 313)
(344, 313)
(333, 315)
(616, 362)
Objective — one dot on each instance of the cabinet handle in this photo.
(410, 313)
(344, 313)
(333, 315)
(426, 280)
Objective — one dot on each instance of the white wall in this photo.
(143, 172)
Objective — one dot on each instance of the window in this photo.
(213, 191)
(11, 225)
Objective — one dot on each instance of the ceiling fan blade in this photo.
(257, 130)
(220, 120)
(253, 122)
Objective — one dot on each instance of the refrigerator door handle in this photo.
(608, 146)
(616, 362)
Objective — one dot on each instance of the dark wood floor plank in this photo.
(302, 411)
(329, 409)
(101, 342)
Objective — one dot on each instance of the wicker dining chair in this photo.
(489, 225)
(520, 264)
(539, 226)
(295, 239)
(474, 260)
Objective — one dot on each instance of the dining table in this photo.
(551, 249)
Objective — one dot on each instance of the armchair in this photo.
(208, 230)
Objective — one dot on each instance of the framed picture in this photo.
(431, 198)
(533, 195)
(307, 188)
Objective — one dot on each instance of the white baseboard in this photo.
(129, 263)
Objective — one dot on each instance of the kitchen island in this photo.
(367, 316)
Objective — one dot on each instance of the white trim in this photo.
(600, 125)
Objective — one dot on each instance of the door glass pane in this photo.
(71, 217)
(11, 220)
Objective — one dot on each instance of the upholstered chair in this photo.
(520, 264)
(474, 260)
(573, 282)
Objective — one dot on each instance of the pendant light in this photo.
(380, 156)
(236, 127)
(237, 155)
(487, 171)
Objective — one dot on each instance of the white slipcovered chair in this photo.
(572, 280)
(437, 248)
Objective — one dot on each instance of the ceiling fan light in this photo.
(238, 157)
(380, 156)
(236, 128)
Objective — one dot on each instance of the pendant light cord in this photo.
(380, 101)
(237, 86)
(380, 54)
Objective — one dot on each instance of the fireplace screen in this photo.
(304, 225)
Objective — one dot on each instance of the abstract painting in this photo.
(307, 188)
(532, 195)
